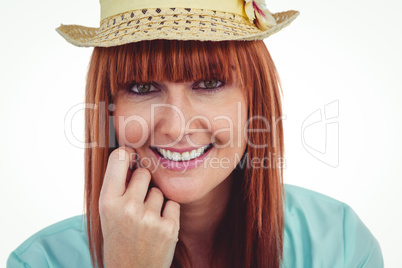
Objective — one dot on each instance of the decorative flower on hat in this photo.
(259, 14)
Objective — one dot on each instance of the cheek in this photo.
(131, 128)
(229, 129)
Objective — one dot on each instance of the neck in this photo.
(199, 220)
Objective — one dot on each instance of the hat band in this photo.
(113, 7)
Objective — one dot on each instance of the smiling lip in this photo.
(178, 150)
(181, 165)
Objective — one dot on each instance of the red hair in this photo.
(251, 233)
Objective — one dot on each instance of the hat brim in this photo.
(171, 24)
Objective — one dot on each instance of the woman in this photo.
(211, 118)
(197, 178)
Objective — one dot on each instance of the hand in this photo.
(134, 232)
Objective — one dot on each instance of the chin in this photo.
(182, 189)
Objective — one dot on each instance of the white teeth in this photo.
(185, 156)
(175, 156)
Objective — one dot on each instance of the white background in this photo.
(346, 52)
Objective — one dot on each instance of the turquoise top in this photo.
(319, 232)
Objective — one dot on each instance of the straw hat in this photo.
(127, 21)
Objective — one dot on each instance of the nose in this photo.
(171, 117)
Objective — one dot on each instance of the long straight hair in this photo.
(251, 233)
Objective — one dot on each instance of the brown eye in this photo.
(210, 83)
(143, 88)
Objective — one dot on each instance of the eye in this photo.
(140, 88)
(209, 84)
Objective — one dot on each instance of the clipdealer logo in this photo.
(320, 134)
(319, 131)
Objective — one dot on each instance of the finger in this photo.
(172, 211)
(132, 166)
(154, 200)
(138, 186)
(114, 182)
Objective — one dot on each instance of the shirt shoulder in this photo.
(63, 244)
(321, 231)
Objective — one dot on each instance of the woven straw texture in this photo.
(171, 23)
